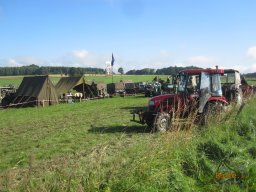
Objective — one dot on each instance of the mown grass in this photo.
(93, 146)
(16, 80)
(63, 128)
(10, 80)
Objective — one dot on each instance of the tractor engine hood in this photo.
(166, 100)
(160, 98)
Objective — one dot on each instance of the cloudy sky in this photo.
(140, 33)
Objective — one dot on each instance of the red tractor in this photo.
(199, 91)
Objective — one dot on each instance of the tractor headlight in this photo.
(151, 103)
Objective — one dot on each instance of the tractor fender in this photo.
(213, 99)
(219, 99)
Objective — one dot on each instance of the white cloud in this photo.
(84, 58)
(75, 58)
(160, 60)
(12, 63)
(251, 52)
(21, 61)
(245, 68)
(80, 54)
(201, 61)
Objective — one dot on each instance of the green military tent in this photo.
(66, 84)
(99, 89)
(79, 84)
(89, 89)
(113, 88)
(129, 87)
(35, 91)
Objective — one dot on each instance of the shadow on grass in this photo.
(140, 95)
(120, 129)
(134, 108)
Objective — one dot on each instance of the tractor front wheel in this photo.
(162, 122)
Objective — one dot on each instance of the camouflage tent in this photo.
(35, 91)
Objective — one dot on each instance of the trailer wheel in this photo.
(162, 122)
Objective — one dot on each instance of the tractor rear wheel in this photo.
(162, 122)
(211, 110)
(239, 97)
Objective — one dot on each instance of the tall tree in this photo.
(121, 70)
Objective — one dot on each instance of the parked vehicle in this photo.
(247, 90)
(199, 91)
(153, 89)
(231, 86)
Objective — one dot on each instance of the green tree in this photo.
(121, 70)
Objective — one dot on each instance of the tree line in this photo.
(250, 75)
(44, 70)
(164, 71)
(77, 71)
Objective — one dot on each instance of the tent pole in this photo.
(112, 75)
(83, 88)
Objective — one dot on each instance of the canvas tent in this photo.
(99, 89)
(89, 89)
(35, 91)
(66, 84)
(129, 87)
(114, 88)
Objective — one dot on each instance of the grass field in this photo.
(16, 80)
(251, 81)
(93, 146)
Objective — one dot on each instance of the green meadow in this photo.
(16, 80)
(94, 146)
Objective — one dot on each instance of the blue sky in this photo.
(140, 33)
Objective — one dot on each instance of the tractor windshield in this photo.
(216, 85)
(231, 78)
(189, 83)
(182, 82)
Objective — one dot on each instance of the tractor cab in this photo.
(231, 86)
(200, 86)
